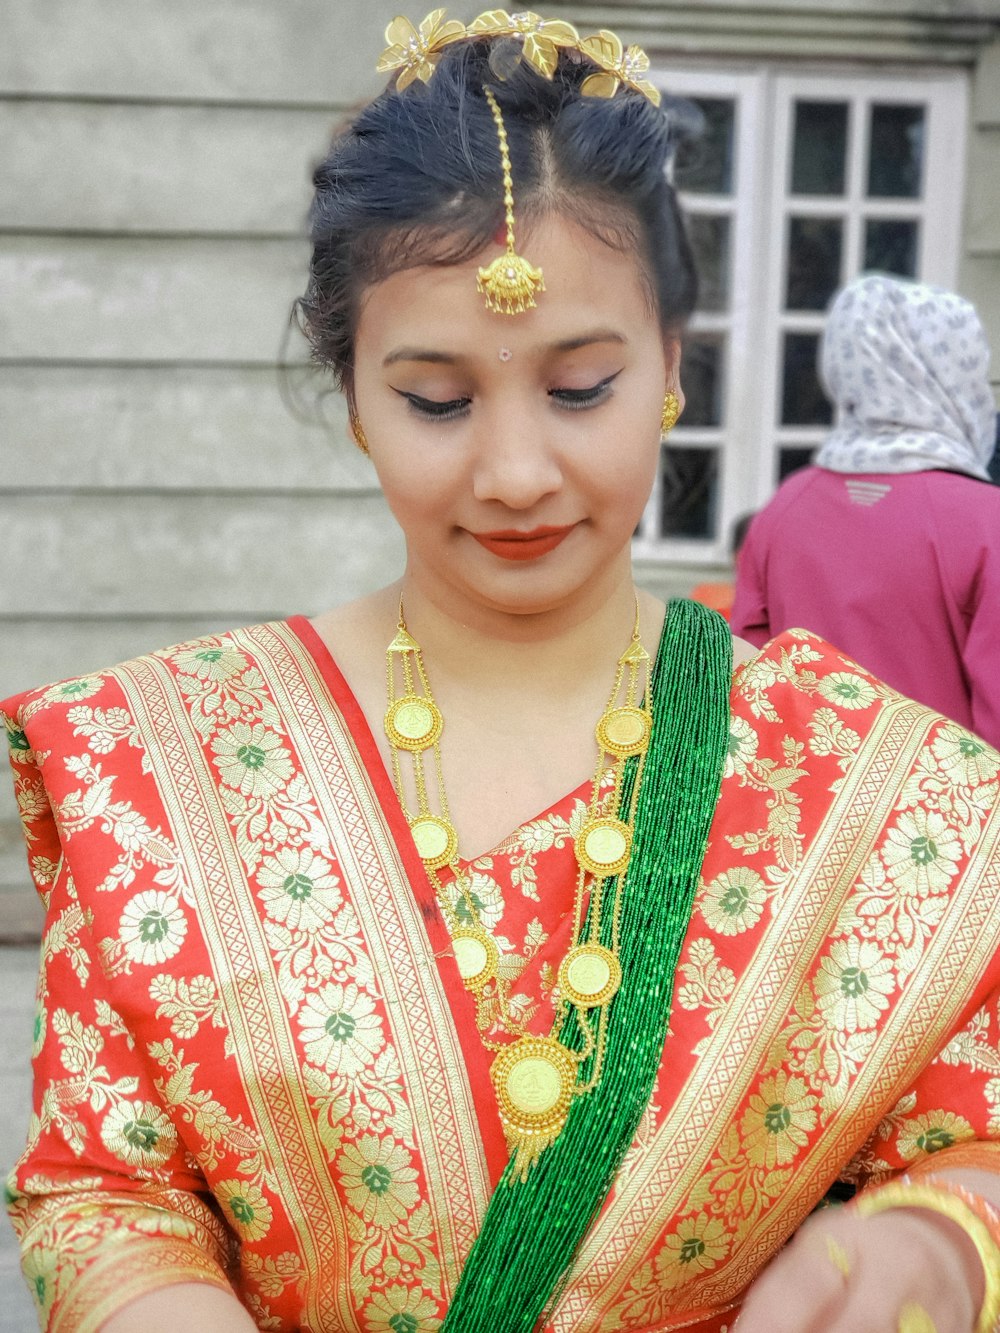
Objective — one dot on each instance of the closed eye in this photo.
(576, 400)
(434, 410)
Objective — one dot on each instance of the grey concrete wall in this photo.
(981, 260)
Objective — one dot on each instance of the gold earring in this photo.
(358, 433)
(671, 411)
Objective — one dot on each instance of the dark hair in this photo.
(415, 178)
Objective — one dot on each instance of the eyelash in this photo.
(571, 400)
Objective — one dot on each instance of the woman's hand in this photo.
(846, 1274)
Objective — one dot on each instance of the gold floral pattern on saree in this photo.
(801, 978)
(846, 992)
(351, 1071)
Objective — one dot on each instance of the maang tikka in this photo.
(509, 284)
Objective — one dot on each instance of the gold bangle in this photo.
(907, 1194)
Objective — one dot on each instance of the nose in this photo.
(515, 463)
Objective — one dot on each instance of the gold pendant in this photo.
(603, 846)
(404, 642)
(535, 1079)
(436, 840)
(413, 723)
(589, 976)
(623, 731)
(509, 284)
(634, 654)
(477, 957)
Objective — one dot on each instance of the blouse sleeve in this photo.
(106, 1204)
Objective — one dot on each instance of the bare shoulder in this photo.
(742, 651)
(356, 622)
(356, 635)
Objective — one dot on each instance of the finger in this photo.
(897, 1279)
(802, 1291)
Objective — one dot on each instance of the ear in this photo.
(672, 364)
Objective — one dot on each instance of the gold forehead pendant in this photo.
(509, 284)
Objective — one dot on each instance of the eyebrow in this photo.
(436, 358)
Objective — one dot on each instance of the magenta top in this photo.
(900, 571)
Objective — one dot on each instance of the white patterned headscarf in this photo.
(907, 367)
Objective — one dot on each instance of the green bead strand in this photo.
(533, 1227)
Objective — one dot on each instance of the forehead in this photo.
(587, 283)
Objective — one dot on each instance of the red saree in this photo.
(256, 1065)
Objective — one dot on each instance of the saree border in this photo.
(414, 992)
(263, 1043)
(420, 890)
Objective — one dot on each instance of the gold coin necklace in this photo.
(535, 1078)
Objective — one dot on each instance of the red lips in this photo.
(512, 544)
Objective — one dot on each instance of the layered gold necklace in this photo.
(536, 1078)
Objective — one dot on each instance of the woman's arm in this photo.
(190, 1305)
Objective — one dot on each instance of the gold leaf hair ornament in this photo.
(542, 38)
(509, 284)
(416, 51)
(618, 65)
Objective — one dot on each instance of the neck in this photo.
(550, 649)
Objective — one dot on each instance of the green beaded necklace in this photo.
(533, 1226)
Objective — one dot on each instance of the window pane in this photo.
(814, 248)
(791, 459)
(891, 246)
(705, 166)
(803, 402)
(710, 243)
(690, 492)
(701, 376)
(819, 153)
(896, 152)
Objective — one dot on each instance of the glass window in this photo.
(710, 242)
(791, 458)
(702, 378)
(705, 165)
(815, 246)
(891, 246)
(801, 179)
(819, 150)
(690, 492)
(803, 402)
(895, 152)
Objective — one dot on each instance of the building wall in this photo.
(154, 162)
(980, 272)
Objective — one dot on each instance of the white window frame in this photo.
(750, 436)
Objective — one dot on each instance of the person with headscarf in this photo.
(889, 545)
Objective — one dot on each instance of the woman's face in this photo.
(516, 451)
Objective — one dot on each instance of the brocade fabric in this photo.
(256, 1065)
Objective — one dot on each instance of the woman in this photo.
(356, 983)
(889, 546)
